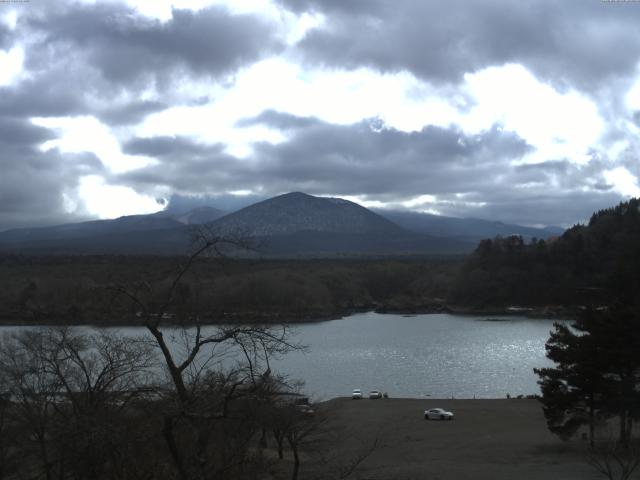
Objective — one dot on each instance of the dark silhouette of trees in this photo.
(597, 373)
(614, 462)
(590, 264)
(220, 378)
(67, 406)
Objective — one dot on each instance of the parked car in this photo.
(356, 394)
(305, 409)
(437, 414)
(374, 394)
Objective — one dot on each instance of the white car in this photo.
(356, 394)
(374, 394)
(305, 409)
(437, 414)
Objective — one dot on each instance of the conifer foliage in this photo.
(597, 373)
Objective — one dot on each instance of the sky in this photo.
(524, 112)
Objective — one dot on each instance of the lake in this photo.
(432, 355)
(436, 355)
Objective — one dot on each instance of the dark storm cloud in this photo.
(470, 176)
(131, 113)
(570, 42)
(558, 192)
(163, 146)
(184, 165)
(216, 172)
(359, 7)
(42, 96)
(545, 207)
(357, 159)
(225, 202)
(97, 59)
(330, 159)
(128, 49)
(94, 60)
(278, 120)
(33, 182)
(20, 133)
(5, 37)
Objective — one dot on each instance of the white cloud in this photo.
(623, 181)
(10, 18)
(558, 125)
(360, 200)
(11, 63)
(340, 97)
(419, 201)
(87, 134)
(632, 98)
(110, 201)
(299, 26)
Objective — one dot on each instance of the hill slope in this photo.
(297, 224)
(589, 264)
(474, 229)
(298, 212)
(294, 224)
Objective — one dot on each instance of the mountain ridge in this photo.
(296, 211)
(294, 223)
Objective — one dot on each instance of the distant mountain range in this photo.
(472, 229)
(294, 224)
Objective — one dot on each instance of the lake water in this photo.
(437, 355)
(434, 355)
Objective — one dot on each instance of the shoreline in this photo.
(231, 318)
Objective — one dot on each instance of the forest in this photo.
(76, 290)
(592, 264)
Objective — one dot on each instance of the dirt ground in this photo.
(489, 439)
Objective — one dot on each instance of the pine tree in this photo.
(597, 373)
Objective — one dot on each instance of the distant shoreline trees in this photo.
(588, 265)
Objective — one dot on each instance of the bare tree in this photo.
(67, 393)
(218, 374)
(614, 461)
(33, 392)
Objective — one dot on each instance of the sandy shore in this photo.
(489, 439)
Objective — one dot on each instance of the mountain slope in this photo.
(196, 216)
(72, 231)
(470, 228)
(298, 212)
(293, 224)
(595, 264)
(297, 224)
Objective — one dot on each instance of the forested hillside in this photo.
(78, 289)
(589, 264)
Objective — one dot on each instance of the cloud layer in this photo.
(525, 112)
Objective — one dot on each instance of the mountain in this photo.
(102, 233)
(132, 223)
(293, 224)
(198, 216)
(298, 212)
(303, 225)
(472, 229)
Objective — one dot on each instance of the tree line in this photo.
(76, 290)
(595, 381)
(588, 264)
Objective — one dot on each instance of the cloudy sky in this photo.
(525, 112)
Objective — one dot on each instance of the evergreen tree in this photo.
(597, 373)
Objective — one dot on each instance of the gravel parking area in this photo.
(488, 439)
